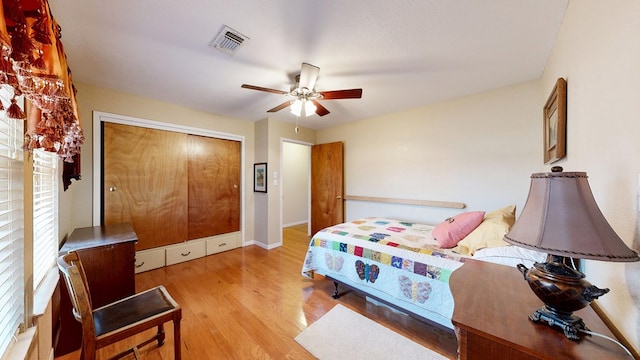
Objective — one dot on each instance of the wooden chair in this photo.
(121, 319)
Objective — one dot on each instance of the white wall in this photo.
(295, 183)
(479, 150)
(598, 52)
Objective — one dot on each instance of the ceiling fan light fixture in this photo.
(303, 104)
(296, 107)
(303, 95)
(309, 108)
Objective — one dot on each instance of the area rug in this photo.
(344, 334)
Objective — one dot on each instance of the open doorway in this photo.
(295, 188)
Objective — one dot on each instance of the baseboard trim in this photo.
(295, 223)
(263, 245)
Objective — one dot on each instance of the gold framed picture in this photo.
(555, 123)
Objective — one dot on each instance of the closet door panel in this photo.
(214, 186)
(145, 183)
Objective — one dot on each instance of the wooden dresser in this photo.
(108, 256)
(492, 305)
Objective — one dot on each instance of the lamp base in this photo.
(569, 323)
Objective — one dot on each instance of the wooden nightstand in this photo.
(492, 305)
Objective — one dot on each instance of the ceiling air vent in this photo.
(228, 40)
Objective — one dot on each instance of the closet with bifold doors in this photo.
(180, 191)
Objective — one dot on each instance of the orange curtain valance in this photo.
(33, 63)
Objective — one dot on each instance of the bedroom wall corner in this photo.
(269, 133)
(597, 52)
(260, 200)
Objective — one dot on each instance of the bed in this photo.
(401, 264)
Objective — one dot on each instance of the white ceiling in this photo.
(403, 54)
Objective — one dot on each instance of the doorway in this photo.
(295, 186)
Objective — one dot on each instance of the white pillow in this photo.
(510, 255)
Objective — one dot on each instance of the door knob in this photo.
(112, 189)
(338, 197)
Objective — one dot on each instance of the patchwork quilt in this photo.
(396, 261)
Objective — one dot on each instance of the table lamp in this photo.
(561, 218)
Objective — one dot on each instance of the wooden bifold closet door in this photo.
(171, 186)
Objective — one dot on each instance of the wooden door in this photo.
(214, 186)
(327, 185)
(145, 182)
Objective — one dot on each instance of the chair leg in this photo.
(83, 355)
(177, 342)
(160, 336)
(87, 354)
(136, 353)
(133, 350)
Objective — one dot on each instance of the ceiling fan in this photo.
(305, 98)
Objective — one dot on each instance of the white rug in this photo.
(344, 334)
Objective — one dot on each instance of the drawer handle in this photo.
(223, 244)
(187, 254)
(141, 265)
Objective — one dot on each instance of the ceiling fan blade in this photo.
(308, 76)
(259, 88)
(281, 106)
(341, 94)
(320, 110)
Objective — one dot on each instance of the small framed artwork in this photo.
(260, 177)
(555, 123)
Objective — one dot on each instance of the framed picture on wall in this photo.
(260, 177)
(555, 123)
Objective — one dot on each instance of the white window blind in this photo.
(11, 229)
(45, 214)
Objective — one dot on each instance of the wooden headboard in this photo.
(432, 203)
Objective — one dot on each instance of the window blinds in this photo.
(45, 216)
(11, 229)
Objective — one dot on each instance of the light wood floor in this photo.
(250, 303)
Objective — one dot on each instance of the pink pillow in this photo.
(449, 232)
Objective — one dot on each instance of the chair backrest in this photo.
(76, 280)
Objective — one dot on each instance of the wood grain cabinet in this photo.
(108, 255)
(492, 305)
(172, 186)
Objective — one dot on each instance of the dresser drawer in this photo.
(219, 243)
(149, 259)
(185, 251)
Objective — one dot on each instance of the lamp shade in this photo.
(561, 217)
